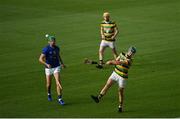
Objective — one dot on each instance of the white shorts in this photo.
(120, 80)
(50, 71)
(105, 43)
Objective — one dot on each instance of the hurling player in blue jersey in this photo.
(51, 59)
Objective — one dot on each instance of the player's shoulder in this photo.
(122, 56)
(46, 47)
(57, 47)
(122, 53)
(103, 22)
(112, 22)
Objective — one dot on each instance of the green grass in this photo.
(152, 26)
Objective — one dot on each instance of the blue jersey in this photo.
(52, 55)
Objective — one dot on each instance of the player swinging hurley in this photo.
(119, 75)
(109, 32)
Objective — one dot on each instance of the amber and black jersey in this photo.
(108, 30)
(122, 69)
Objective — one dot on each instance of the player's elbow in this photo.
(117, 31)
(40, 60)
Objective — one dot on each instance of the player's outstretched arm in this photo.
(113, 62)
(116, 62)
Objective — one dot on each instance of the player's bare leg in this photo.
(114, 53)
(48, 87)
(101, 55)
(58, 83)
(104, 90)
(121, 98)
(59, 88)
(108, 84)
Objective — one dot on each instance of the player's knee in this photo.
(101, 52)
(121, 91)
(59, 86)
(48, 85)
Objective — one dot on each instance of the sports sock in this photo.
(100, 96)
(49, 90)
(60, 97)
(120, 105)
(100, 62)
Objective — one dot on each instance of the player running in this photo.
(109, 32)
(51, 58)
(119, 75)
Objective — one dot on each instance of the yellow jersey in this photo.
(108, 30)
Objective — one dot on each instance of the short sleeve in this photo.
(114, 24)
(44, 51)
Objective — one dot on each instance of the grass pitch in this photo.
(153, 84)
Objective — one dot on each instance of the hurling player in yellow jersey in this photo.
(119, 75)
(109, 32)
